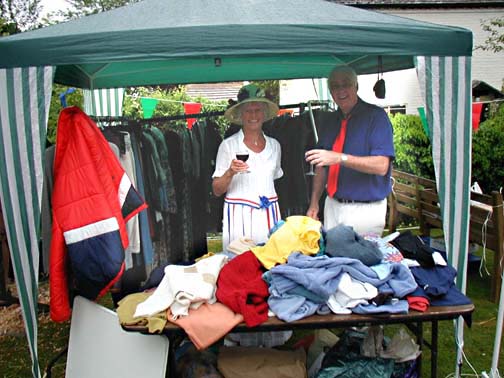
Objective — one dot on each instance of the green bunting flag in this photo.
(148, 106)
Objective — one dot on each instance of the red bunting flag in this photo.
(191, 108)
(477, 108)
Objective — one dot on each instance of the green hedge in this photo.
(412, 146)
(488, 153)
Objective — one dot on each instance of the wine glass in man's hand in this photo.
(243, 156)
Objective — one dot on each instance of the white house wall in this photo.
(402, 86)
(486, 66)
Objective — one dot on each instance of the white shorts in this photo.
(365, 218)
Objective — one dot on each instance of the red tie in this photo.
(332, 180)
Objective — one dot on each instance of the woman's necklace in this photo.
(255, 142)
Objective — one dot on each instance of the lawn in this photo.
(478, 344)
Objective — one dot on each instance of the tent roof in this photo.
(169, 41)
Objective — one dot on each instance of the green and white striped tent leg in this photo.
(322, 89)
(446, 86)
(24, 111)
(104, 102)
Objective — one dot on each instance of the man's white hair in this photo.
(343, 69)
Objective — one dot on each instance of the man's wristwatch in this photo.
(344, 158)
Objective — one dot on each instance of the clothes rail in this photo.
(156, 119)
(110, 119)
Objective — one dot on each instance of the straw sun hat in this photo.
(250, 93)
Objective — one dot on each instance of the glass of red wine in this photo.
(243, 156)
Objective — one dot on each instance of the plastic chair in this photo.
(99, 347)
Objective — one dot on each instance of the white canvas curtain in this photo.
(104, 102)
(321, 88)
(25, 96)
(24, 112)
(446, 86)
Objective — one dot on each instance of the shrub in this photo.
(412, 146)
(488, 153)
(74, 99)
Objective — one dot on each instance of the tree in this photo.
(495, 41)
(80, 8)
(271, 88)
(7, 28)
(75, 98)
(19, 15)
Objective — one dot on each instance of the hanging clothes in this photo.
(164, 252)
(182, 221)
(210, 140)
(46, 206)
(164, 157)
(199, 188)
(122, 141)
(92, 199)
(145, 236)
(295, 136)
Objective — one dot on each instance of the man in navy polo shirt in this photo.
(353, 160)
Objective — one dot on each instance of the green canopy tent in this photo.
(168, 41)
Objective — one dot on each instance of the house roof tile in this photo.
(215, 91)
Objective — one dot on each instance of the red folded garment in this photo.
(420, 304)
(240, 287)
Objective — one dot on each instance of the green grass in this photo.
(479, 339)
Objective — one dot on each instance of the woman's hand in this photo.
(312, 212)
(237, 166)
(220, 184)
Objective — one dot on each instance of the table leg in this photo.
(434, 348)
(420, 341)
(174, 341)
(417, 329)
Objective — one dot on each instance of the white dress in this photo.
(251, 203)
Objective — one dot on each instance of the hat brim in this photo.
(233, 114)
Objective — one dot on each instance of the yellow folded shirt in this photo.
(298, 233)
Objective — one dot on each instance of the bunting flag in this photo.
(477, 109)
(191, 108)
(24, 111)
(148, 106)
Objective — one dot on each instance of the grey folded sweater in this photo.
(343, 241)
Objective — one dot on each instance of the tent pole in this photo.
(498, 335)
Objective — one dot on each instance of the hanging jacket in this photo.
(92, 199)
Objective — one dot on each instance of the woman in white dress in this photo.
(251, 203)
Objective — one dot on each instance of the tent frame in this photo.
(287, 41)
